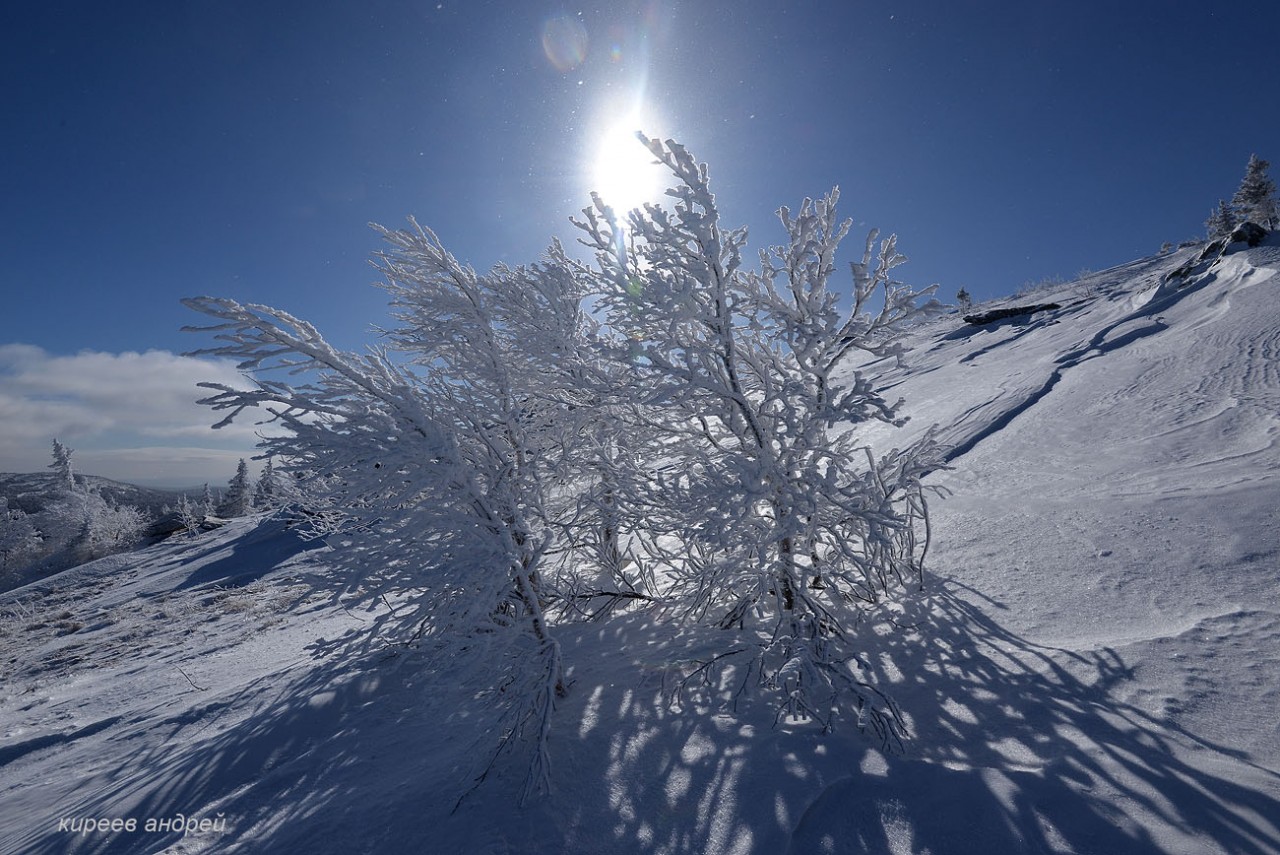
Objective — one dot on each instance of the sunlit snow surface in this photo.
(1094, 666)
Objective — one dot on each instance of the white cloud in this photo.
(130, 416)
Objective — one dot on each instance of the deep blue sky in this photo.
(153, 151)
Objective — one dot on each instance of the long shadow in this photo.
(332, 756)
(698, 772)
(259, 551)
(363, 744)
(198, 767)
(275, 755)
(1022, 748)
(1016, 748)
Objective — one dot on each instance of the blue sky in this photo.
(155, 151)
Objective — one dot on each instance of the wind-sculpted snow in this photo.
(1093, 665)
(1133, 322)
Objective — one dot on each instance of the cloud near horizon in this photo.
(129, 416)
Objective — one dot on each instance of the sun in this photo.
(623, 171)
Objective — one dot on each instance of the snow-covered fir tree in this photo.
(1221, 221)
(1255, 201)
(267, 493)
(238, 500)
(62, 468)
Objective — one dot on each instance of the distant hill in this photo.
(33, 491)
(51, 535)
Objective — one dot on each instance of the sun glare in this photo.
(623, 171)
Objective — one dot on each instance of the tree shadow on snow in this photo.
(308, 758)
(1015, 748)
(268, 545)
(1022, 748)
(326, 757)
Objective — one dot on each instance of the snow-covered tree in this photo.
(441, 458)
(19, 543)
(238, 500)
(751, 378)
(1221, 221)
(64, 526)
(1255, 201)
(61, 465)
(110, 528)
(506, 454)
(964, 300)
(189, 515)
(207, 504)
(83, 525)
(266, 491)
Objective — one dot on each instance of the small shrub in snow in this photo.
(19, 544)
(111, 528)
(1034, 287)
(190, 515)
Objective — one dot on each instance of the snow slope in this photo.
(1093, 667)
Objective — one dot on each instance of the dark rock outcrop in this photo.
(1011, 312)
(1248, 233)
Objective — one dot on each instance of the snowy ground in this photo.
(1094, 666)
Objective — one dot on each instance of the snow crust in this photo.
(1093, 666)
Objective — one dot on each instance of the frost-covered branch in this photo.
(750, 378)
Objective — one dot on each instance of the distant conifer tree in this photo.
(238, 501)
(1221, 221)
(1255, 201)
(61, 466)
(264, 494)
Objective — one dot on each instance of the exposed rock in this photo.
(170, 524)
(1250, 233)
(1011, 312)
(167, 526)
(1246, 233)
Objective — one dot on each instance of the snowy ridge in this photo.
(1092, 667)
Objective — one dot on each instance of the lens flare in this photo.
(564, 40)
